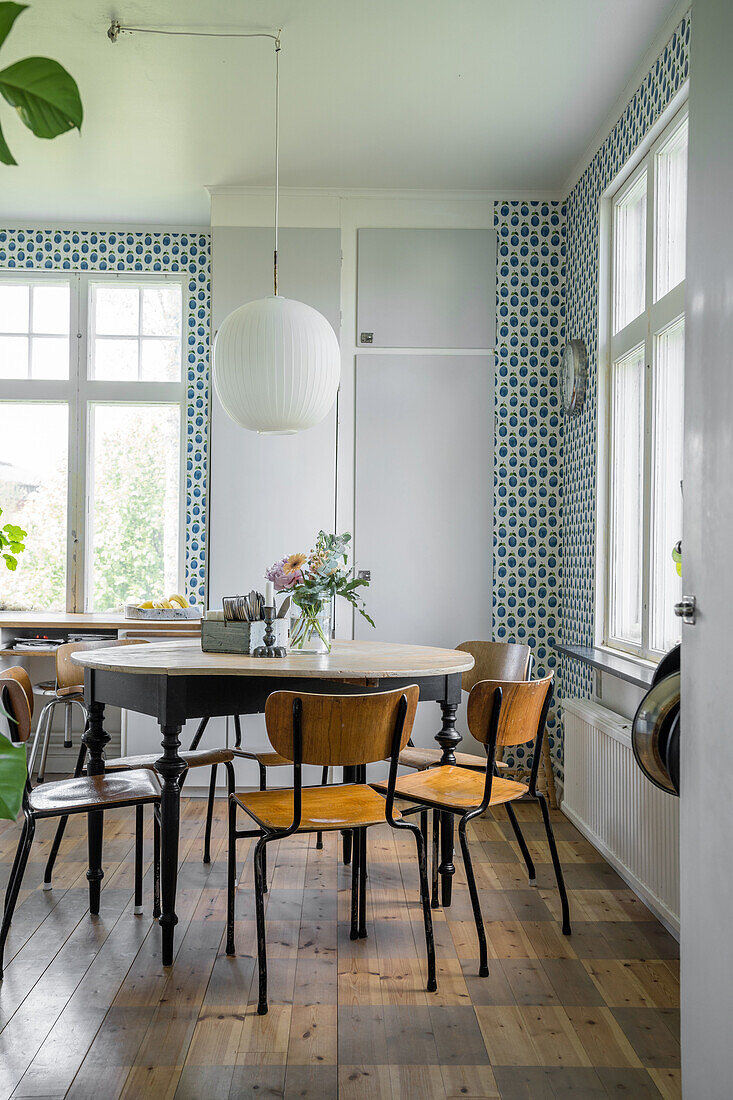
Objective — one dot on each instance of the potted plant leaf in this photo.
(45, 96)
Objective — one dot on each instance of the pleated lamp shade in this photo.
(276, 366)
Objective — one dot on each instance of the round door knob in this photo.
(685, 609)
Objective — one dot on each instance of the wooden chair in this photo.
(492, 661)
(329, 731)
(67, 690)
(83, 794)
(500, 713)
(265, 759)
(195, 757)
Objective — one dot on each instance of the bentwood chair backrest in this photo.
(70, 676)
(523, 710)
(16, 695)
(340, 730)
(496, 661)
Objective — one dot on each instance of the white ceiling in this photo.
(429, 94)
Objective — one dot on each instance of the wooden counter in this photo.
(60, 623)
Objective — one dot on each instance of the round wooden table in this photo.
(174, 681)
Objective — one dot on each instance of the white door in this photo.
(706, 809)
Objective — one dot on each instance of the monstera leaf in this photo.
(44, 94)
(13, 773)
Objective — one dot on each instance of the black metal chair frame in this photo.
(477, 811)
(79, 770)
(26, 841)
(358, 862)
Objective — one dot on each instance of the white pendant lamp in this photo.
(276, 361)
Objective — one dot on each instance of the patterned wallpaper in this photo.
(668, 73)
(146, 251)
(530, 321)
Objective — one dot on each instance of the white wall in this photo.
(706, 810)
(319, 211)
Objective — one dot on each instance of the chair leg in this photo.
(61, 827)
(138, 860)
(436, 858)
(261, 939)
(362, 883)
(49, 712)
(67, 725)
(481, 931)
(422, 864)
(324, 781)
(522, 844)
(354, 931)
(24, 848)
(263, 787)
(231, 875)
(210, 813)
(14, 868)
(156, 863)
(566, 930)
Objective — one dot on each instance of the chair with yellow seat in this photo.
(499, 714)
(328, 731)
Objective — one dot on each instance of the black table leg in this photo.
(448, 738)
(95, 738)
(170, 767)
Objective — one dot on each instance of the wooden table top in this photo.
(347, 660)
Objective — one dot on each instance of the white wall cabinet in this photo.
(426, 288)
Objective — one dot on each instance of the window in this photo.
(644, 399)
(91, 419)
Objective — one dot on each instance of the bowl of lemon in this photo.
(163, 609)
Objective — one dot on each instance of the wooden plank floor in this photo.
(87, 1010)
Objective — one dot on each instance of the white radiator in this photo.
(634, 825)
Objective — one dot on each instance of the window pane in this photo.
(629, 254)
(115, 310)
(115, 360)
(627, 466)
(33, 488)
(13, 356)
(671, 213)
(162, 311)
(134, 506)
(161, 360)
(14, 307)
(668, 390)
(50, 311)
(50, 357)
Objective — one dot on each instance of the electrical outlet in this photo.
(366, 338)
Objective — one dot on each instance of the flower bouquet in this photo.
(313, 580)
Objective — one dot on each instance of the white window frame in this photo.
(612, 347)
(79, 392)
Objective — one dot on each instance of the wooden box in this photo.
(222, 636)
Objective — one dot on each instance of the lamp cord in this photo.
(116, 28)
(277, 153)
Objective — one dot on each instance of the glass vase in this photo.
(310, 627)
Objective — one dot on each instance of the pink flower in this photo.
(283, 581)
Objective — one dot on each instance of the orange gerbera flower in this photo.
(294, 563)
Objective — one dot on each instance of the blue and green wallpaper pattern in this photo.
(148, 251)
(530, 324)
(663, 81)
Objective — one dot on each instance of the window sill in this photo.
(634, 670)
